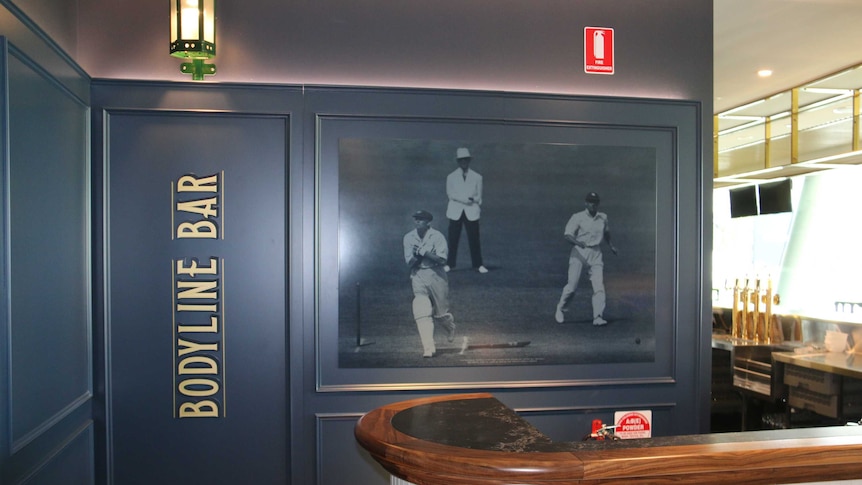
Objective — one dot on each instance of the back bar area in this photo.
(806, 374)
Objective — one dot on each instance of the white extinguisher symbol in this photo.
(599, 44)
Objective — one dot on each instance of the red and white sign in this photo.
(598, 50)
(633, 424)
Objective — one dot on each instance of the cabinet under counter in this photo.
(825, 383)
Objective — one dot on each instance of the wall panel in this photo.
(562, 399)
(339, 457)
(71, 464)
(47, 317)
(195, 325)
(49, 224)
(156, 365)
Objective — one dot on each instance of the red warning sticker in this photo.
(633, 424)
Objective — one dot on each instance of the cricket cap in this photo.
(423, 215)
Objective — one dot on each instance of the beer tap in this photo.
(761, 326)
(745, 300)
(737, 330)
(770, 298)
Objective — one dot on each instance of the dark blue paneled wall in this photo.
(94, 378)
(46, 327)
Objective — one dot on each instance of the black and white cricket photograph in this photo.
(459, 253)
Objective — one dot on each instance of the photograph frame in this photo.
(667, 127)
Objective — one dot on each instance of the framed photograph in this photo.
(537, 253)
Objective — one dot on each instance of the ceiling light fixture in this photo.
(764, 72)
(193, 35)
(828, 91)
(743, 107)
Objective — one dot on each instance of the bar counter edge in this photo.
(473, 439)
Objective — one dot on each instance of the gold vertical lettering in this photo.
(211, 328)
(197, 230)
(186, 347)
(194, 269)
(211, 387)
(204, 207)
(189, 183)
(197, 290)
(210, 366)
(197, 308)
(202, 409)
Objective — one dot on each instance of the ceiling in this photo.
(800, 40)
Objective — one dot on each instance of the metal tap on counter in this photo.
(752, 317)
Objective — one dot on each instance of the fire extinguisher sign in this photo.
(598, 50)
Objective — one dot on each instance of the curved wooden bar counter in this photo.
(473, 439)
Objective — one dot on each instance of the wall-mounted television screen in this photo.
(775, 197)
(743, 201)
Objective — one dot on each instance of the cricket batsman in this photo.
(425, 252)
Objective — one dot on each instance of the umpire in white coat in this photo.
(464, 190)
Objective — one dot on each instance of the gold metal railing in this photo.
(805, 129)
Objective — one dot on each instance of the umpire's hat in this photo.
(592, 197)
(424, 215)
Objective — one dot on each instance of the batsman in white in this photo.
(585, 231)
(425, 251)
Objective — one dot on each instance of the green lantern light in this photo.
(193, 35)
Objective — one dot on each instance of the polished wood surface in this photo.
(526, 457)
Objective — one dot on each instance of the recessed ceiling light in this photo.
(764, 72)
